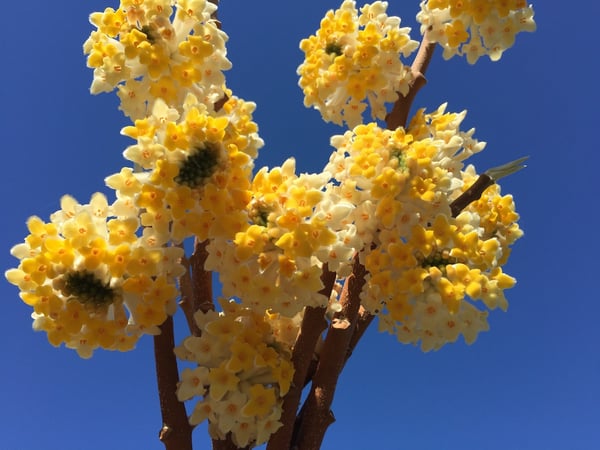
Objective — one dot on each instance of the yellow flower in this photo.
(261, 401)
(202, 411)
(122, 230)
(221, 380)
(110, 22)
(456, 33)
(242, 357)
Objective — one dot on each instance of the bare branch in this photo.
(398, 116)
(176, 432)
(313, 325)
(187, 297)
(316, 415)
(201, 279)
(485, 180)
(364, 320)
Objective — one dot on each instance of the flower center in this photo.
(333, 47)
(401, 157)
(437, 258)
(149, 32)
(87, 289)
(199, 165)
(259, 213)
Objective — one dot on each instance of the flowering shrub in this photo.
(398, 225)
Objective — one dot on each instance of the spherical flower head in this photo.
(426, 286)
(150, 50)
(354, 60)
(396, 179)
(293, 228)
(91, 281)
(474, 28)
(244, 372)
(426, 269)
(196, 169)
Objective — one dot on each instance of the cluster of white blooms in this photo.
(149, 51)
(352, 58)
(194, 169)
(295, 225)
(474, 28)
(244, 370)
(422, 262)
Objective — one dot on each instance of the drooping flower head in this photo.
(149, 50)
(244, 372)
(474, 28)
(90, 279)
(354, 59)
(424, 265)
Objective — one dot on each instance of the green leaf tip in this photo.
(495, 173)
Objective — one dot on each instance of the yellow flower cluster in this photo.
(496, 213)
(422, 262)
(275, 262)
(474, 28)
(149, 50)
(195, 170)
(403, 177)
(91, 281)
(244, 371)
(101, 276)
(353, 58)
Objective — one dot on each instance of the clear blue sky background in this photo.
(532, 382)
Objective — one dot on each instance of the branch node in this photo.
(164, 432)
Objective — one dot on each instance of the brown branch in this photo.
(196, 286)
(362, 323)
(176, 432)
(398, 116)
(472, 194)
(313, 325)
(316, 415)
(364, 320)
(484, 181)
(187, 297)
(201, 279)
(203, 301)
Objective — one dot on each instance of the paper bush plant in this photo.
(396, 226)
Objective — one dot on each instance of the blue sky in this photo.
(531, 382)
